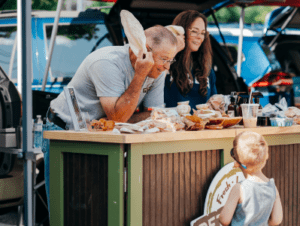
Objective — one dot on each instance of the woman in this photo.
(191, 76)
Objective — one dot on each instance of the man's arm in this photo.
(121, 108)
(137, 117)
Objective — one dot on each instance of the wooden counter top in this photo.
(110, 137)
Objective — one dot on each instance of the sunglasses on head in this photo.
(232, 155)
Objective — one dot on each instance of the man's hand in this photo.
(143, 64)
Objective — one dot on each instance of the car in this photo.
(270, 53)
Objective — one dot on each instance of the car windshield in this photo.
(7, 40)
(73, 43)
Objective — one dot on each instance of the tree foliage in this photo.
(50, 5)
(36, 5)
(253, 14)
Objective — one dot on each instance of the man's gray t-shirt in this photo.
(107, 72)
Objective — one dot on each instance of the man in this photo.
(111, 82)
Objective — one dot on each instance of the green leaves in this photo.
(50, 5)
(253, 14)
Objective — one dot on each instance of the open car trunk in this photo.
(285, 43)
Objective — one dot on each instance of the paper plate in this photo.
(134, 32)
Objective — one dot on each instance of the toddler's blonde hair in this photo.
(251, 149)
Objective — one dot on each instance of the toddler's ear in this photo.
(236, 165)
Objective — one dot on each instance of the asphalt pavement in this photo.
(9, 217)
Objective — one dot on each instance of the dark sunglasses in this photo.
(231, 153)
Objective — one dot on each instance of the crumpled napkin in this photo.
(269, 110)
(282, 104)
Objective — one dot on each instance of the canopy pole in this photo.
(53, 36)
(19, 46)
(27, 105)
(240, 46)
(79, 5)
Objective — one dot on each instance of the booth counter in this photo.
(102, 178)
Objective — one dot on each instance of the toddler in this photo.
(255, 201)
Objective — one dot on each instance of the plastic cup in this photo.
(86, 119)
(250, 115)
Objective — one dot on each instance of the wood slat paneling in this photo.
(152, 190)
(146, 189)
(86, 189)
(283, 167)
(175, 186)
(158, 176)
(295, 185)
(164, 189)
(170, 189)
(298, 180)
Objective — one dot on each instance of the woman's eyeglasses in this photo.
(164, 61)
(232, 155)
(194, 33)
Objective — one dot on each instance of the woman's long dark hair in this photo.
(201, 61)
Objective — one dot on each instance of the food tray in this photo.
(227, 121)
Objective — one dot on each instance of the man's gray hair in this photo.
(158, 35)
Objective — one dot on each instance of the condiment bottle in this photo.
(38, 132)
(232, 108)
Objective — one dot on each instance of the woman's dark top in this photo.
(173, 95)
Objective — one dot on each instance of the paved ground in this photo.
(9, 217)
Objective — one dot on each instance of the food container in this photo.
(281, 122)
(263, 121)
(289, 121)
(183, 108)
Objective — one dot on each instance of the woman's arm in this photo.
(230, 205)
(277, 213)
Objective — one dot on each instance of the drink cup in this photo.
(86, 119)
(250, 115)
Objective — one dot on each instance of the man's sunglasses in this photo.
(232, 155)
